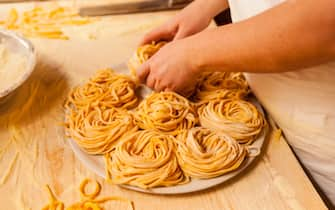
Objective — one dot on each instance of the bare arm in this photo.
(293, 35)
(290, 36)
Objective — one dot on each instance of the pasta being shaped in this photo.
(142, 54)
(166, 112)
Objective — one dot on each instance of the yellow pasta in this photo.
(204, 97)
(221, 85)
(89, 200)
(106, 89)
(92, 195)
(146, 159)
(166, 112)
(204, 154)
(93, 119)
(43, 22)
(98, 131)
(54, 203)
(11, 19)
(238, 118)
(142, 54)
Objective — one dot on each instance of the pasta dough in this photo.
(238, 118)
(204, 154)
(146, 159)
(142, 54)
(166, 112)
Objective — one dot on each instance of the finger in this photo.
(143, 71)
(151, 82)
(180, 34)
(160, 33)
(158, 86)
(167, 89)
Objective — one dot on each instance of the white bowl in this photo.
(17, 44)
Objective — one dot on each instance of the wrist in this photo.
(192, 52)
(202, 52)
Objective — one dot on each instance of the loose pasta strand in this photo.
(89, 200)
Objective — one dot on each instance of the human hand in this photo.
(191, 20)
(171, 69)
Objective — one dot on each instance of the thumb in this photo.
(143, 72)
(160, 33)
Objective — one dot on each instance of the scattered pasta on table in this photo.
(89, 201)
(44, 22)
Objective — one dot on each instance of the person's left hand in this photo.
(172, 68)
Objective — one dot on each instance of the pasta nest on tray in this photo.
(146, 159)
(96, 112)
(166, 112)
(105, 89)
(205, 154)
(98, 131)
(238, 118)
(220, 85)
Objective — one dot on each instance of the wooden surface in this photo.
(32, 138)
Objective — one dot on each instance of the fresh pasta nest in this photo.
(146, 159)
(97, 130)
(166, 112)
(105, 89)
(238, 118)
(220, 85)
(96, 112)
(203, 153)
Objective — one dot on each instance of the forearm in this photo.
(293, 35)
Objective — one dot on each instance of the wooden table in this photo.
(32, 139)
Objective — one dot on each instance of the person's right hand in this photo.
(191, 20)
